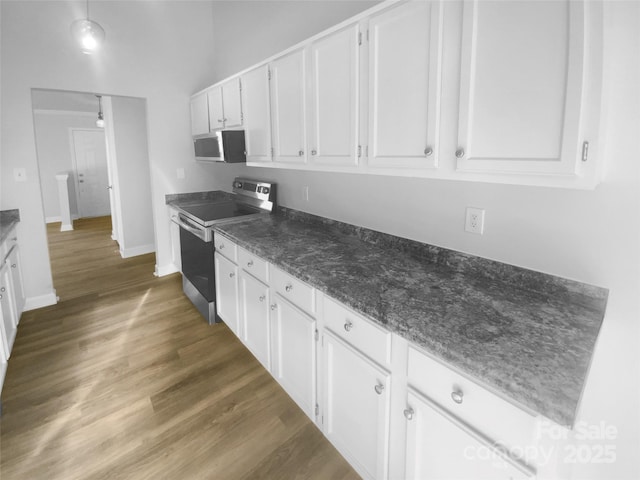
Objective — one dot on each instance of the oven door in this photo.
(197, 261)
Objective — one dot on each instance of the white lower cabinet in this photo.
(356, 406)
(441, 447)
(227, 292)
(9, 324)
(294, 353)
(256, 331)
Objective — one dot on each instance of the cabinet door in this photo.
(294, 353)
(256, 110)
(404, 85)
(216, 112)
(13, 262)
(356, 407)
(9, 323)
(333, 138)
(255, 318)
(288, 107)
(227, 292)
(199, 115)
(440, 447)
(521, 86)
(232, 103)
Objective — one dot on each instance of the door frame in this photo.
(75, 163)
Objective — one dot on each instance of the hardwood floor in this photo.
(122, 379)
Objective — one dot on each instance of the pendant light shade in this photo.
(100, 120)
(89, 35)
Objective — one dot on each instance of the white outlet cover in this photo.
(474, 220)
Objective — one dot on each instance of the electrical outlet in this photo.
(474, 220)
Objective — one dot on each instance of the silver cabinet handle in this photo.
(224, 119)
(274, 306)
(313, 152)
(408, 413)
(220, 120)
(231, 275)
(460, 153)
(3, 289)
(457, 396)
(110, 187)
(301, 153)
(348, 325)
(428, 151)
(379, 388)
(262, 297)
(250, 263)
(13, 265)
(288, 288)
(221, 246)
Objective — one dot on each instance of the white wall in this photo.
(158, 50)
(134, 178)
(54, 155)
(590, 236)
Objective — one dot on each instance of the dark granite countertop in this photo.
(177, 199)
(525, 334)
(8, 218)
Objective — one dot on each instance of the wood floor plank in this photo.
(123, 379)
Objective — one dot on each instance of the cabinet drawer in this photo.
(256, 266)
(297, 292)
(373, 341)
(226, 247)
(496, 418)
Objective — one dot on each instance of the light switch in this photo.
(20, 174)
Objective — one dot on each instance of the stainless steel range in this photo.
(197, 221)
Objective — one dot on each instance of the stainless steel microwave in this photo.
(225, 146)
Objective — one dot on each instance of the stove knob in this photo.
(238, 184)
(259, 189)
(265, 190)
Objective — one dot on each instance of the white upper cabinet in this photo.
(404, 85)
(334, 104)
(288, 112)
(225, 109)
(522, 86)
(199, 114)
(256, 108)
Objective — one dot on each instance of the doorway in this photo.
(89, 155)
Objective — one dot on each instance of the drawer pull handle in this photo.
(428, 151)
(3, 289)
(348, 325)
(457, 396)
(314, 152)
(221, 246)
(408, 413)
(250, 263)
(262, 297)
(13, 265)
(460, 153)
(274, 306)
(301, 153)
(288, 288)
(231, 275)
(379, 388)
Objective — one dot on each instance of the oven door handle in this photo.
(198, 232)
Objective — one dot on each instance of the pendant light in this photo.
(88, 34)
(100, 120)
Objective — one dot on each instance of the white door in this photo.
(256, 109)
(216, 113)
(226, 274)
(90, 153)
(404, 85)
(288, 107)
(13, 262)
(356, 407)
(333, 138)
(254, 297)
(232, 103)
(441, 447)
(294, 353)
(521, 86)
(199, 115)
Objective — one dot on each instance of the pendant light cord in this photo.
(87, 9)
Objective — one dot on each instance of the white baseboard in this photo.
(135, 251)
(165, 270)
(66, 228)
(46, 300)
(59, 219)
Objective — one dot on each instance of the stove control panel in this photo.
(257, 192)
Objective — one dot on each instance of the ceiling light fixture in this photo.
(88, 34)
(100, 120)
